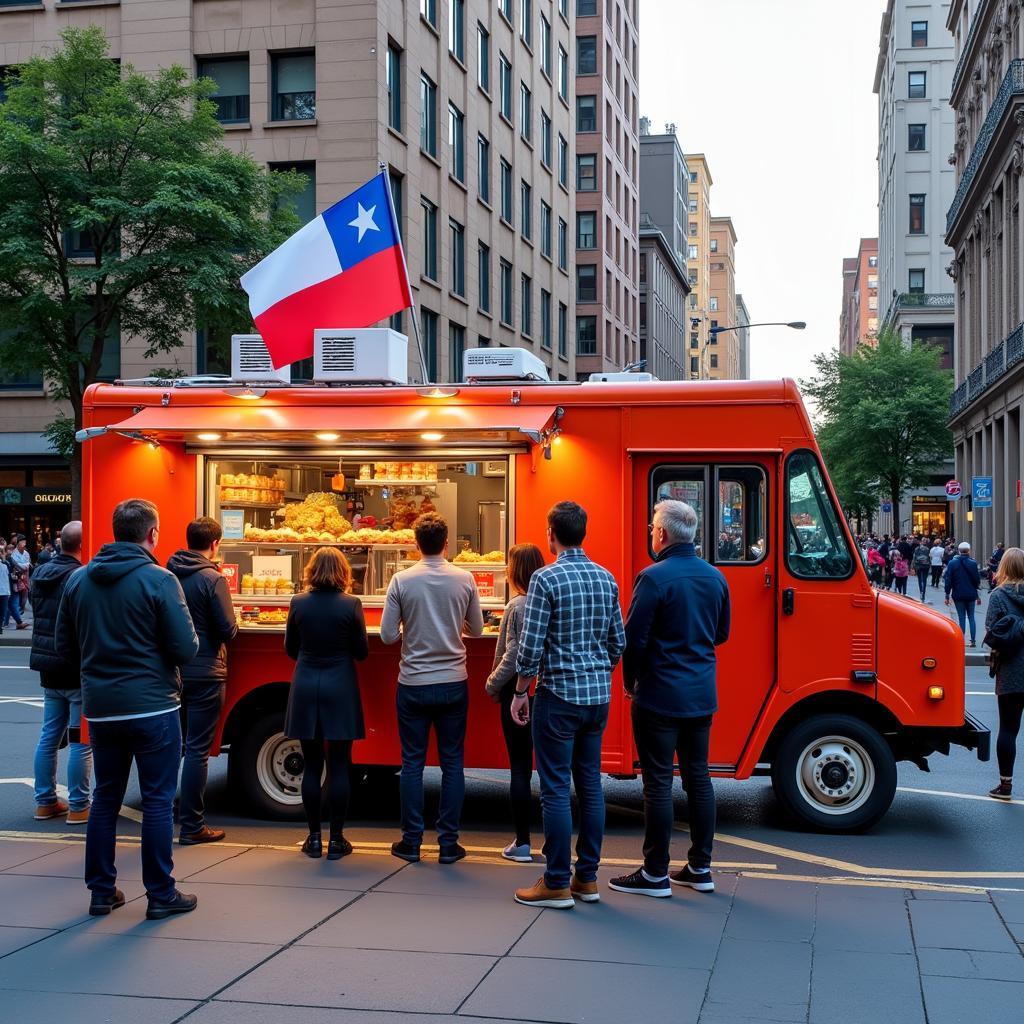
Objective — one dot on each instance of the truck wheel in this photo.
(835, 773)
(266, 769)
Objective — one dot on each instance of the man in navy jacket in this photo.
(678, 616)
(963, 581)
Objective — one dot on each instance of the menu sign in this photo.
(232, 523)
(275, 567)
(229, 570)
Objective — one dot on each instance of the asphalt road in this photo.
(942, 829)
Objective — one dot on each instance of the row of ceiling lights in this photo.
(427, 435)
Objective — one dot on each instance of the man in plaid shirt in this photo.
(572, 638)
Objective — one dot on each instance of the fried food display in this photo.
(475, 558)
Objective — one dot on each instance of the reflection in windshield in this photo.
(816, 545)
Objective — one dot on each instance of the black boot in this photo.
(313, 846)
(338, 848)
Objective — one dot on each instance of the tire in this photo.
(834, 773)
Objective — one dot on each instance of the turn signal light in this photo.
(936, 692)
(928, 663)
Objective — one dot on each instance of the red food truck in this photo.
(824, 683)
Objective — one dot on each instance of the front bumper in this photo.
(916, 744)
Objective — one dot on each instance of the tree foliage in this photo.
(881, 419)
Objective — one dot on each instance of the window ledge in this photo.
(23, 8)
(506, 223)
(486, 92)
(237, 126)
(395, 133)
(485, 312)
(429, 280)
(431, 158)
(307, 123)
(458, 298)
(459, 61)
(433, 28)
(485, 204)
(67, 4)
(458, 182)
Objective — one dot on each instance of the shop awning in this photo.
(253, 422)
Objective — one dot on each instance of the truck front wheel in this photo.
(835, 773)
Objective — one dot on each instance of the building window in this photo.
(916, 138)
(917, 215)
(232, 96)
(506, 292)
(693, 206)
(563, 8)
(917, 84)
(428, 322)
(919, 33)
(586, 231)
(483, 269)
(505, 6)
(395, 181)
(457, 29)
(563, 161)
(293, 82)
(714, 245)
(691, 277)
(563, 328)
(525, 112)
(394, 76)
(586, 282)
(456, 348)
(586, 335)
(428, 116)
(693, 227)
(545, 319)
(429, 239)
(545, 46)
(428, 8)
(563, 244)
(586, 113)
(694, 340)
(693, 177)
(586, 8)
(563, 73)
(586, 55)
(526, 210)
(916, 282)
(586, 172)
(505, 87)
(526, 21)
(694, 366)
(873, 281)
(458, 236)
(545, 139)
(527, 301)
(713, 304)
(303, 203)
(457, 141)
(691, 252)
(483, 168)
(872, 302)
(713, 358)
(872, 261)
(506, 190)
(545, 229)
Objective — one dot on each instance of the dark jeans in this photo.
(201, 705)
(1011, 708)
(339, 766)
(901, 584)
(936, 575)
(519, 744)
(445, 707)
(659, 740)
(9, 610)
(965, 614)
(567, 743)
(922, 580)
(154, 744)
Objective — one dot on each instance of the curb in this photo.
(16, 640)
(976, 659)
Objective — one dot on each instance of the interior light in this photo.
(208, 435)
(936, 693)
(327, 435)
(246, 392)
(434, 392)
(432, 435)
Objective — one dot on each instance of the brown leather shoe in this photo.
(22, 625)
(44, 812)
(586, 891)
(539, 895)
(204, 835)
(78, 817)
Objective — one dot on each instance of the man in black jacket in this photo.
(202, 679)
(62, 691)
(125, 619)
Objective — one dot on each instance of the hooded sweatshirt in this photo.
(47, 586)
(1005, 619)
(209, 603)
(125, 618)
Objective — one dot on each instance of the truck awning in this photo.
(249, 423)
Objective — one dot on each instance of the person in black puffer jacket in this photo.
(203, 679)
(62, 691)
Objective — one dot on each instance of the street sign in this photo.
(886, 506)
(981, 491)
(954, 490)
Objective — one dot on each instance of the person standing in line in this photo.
(62, 692)
(900, 572)
(922, 564)
(325, 636)
(124, 619)
(22, 558)
(204, 678)
(523, 561)
(993, 564)
(678, 616)
(15, 575)
(937, 553)
(963, 581)
(45, 555)
(429, 607)
(5, 590)
(572, 639)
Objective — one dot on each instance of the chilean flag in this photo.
(344, 268)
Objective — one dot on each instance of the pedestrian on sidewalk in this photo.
(523, 561)
(62, 692)
(325, 636)
(125, 619)
(5, 591)
(45, 556)
(900, 573)
(678, 616)
(937, 554)
(429, 607)
(963, 581)
(993, 565)
(921, 560)
(572, 639)
(16, 576)
(906, 548)
(204, 678)
(22, 558)
(1004, 622)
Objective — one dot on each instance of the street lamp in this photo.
(714, 332)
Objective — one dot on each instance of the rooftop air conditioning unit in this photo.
(498, 364)
(370, 356)
(623, 377)
(250, 360)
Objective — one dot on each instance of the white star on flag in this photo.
(364, 221)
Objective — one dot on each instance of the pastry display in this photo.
(412, 472)
(469, 557)
(248, 488)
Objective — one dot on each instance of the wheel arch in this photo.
(258, 702)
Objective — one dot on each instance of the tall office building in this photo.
(698, 260)
(723, 354)
(858, 319)
(743, 337)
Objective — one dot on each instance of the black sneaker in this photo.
(179, 903)
(699, 880)
(1004, 791)
(405, 851)
(636, 882)
(102, 904)
(338, 848)
(450, 854)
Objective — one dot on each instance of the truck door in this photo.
(732, 501)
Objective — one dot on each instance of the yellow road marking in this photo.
(873, 883)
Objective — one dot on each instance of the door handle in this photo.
(788, 598)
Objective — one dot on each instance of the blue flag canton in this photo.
(360, 224)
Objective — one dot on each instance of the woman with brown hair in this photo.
(325, 636)
(523, 561)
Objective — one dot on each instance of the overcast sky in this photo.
(777, 93)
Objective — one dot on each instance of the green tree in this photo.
(121, 212)
(881, 419)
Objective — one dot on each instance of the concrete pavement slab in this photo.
(763, 980)
(363, 979)
(850, 920)
(17, 938)
(934, 894)
(19, 851)
(1010, 906)
(963, 963)
(357, 872)
(578, 992)
(717, 902)
(965, 1001)
(865, 988)
(220, 1012)
(487, 881)
(29, 901)
(765, 910)
(82, 960)
(428, 924)
(29, 1007)
(959, 926)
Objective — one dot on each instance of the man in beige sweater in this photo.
(429, 607)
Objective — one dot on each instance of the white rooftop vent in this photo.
(250, 360)
(375, 355)
(624, 377)
(494, 364)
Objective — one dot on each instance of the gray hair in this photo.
(963, 546)
(678, 520)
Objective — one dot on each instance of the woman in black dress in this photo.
(325, 636)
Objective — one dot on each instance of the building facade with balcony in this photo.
(858, 319)
(985, 231)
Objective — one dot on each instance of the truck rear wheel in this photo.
(835, 773)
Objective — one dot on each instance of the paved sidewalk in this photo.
(279, 939)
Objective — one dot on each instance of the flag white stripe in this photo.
(305, 259)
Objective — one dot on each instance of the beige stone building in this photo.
(723, 351)
(698, 263)
(469, 104)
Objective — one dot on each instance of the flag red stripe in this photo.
(358, 297)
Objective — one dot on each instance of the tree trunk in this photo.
(897, 522)
(76, 482)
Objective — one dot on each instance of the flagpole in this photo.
(405, 265)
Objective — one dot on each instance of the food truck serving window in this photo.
(816, 546)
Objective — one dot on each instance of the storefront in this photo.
(35, 502)
(930, 515)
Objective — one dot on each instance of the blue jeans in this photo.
(201, 704)
(567, 743)
(9, 608)
(444, 706)
(965, 609)
(154, 744)
(62, 711)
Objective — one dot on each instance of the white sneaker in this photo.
(520, 853)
